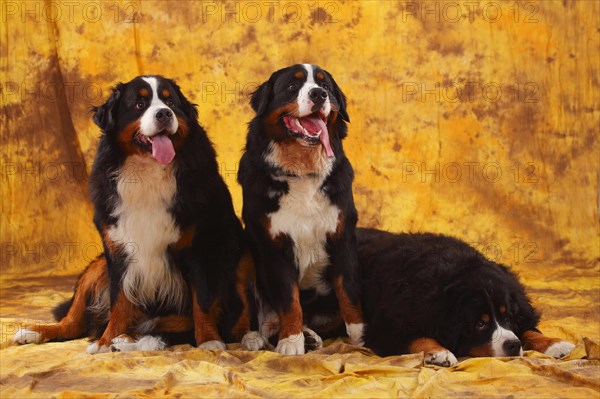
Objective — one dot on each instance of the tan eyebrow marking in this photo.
(166, 93)
(320, 75)
(502, 309)
(485, 317)
(299, 75)
(143, 92)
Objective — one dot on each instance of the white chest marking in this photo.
(306, 215)
(144, 229)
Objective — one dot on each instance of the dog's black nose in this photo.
(163, 114)
(317, 95)
(512, 347)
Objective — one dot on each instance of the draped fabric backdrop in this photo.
(475, 119)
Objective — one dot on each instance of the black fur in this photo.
(427, 285)
(61, 310)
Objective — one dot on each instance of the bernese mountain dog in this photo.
(174, 256)
(298, 210)
(438, 295)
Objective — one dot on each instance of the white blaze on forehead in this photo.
(501, 335)
(304, 103)
(148, 125)
(154, 86)
(310, 78)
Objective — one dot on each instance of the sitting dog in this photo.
(174, 257)
(298, 208)
(436, 294)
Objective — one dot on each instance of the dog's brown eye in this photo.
(140, 104)
(325, 86)
(293, 86)
(169, 102)
(480, 325)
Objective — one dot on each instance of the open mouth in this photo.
(160, 145)
(311, 129)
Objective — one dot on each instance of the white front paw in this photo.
(213, 345)
(254, 341)
(25, 336)
(94, 348)
(292, 345)
(443, 358)
(560, 349)
(355, 332)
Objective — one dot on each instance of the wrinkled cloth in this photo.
(66, 370)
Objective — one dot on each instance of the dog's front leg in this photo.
(535, 340)
(344, 259)
(122, 314)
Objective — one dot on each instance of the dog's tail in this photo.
(62, 309)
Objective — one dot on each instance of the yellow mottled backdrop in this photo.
(476, 119)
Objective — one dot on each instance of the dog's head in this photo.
(147, 116)
(302, 103)
(490, 312)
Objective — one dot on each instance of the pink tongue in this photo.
(162, 149)
(313, 125)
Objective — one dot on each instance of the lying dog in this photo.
(298, 207)
(173, 246)
(436, 294)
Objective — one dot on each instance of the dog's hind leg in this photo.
(72, 325)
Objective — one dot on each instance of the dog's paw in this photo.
(151, 343)
(292, 345)
(270, 325)
(312, 341)
(443, 358)
(213, 345)
(123, 338)
(355, 333)
(254, 341)
(94, 348)
(560, 349)
(125, 343)
(26, 336)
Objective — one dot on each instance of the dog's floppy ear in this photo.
(190, 109)
(105, 115)
(262, 96)
(340, 97)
